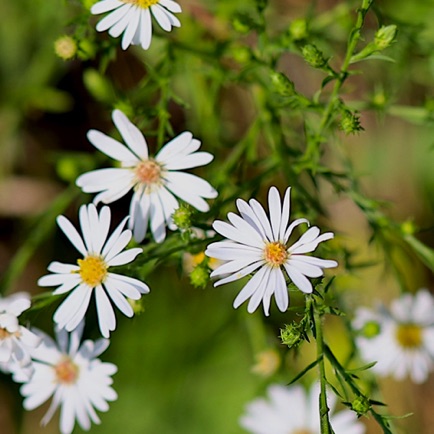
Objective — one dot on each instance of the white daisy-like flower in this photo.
(91, 274)
(73, 376)
(133, 19)
(399, 339)
(258, 241)
(16, 341)
(292, 410)
(155, 181)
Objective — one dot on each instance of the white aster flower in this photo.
(399, 339)
(16, 341)
(91, 274)
(70, 373)
(133, 19)
(258, 241)
(292, 410)
(155, 181)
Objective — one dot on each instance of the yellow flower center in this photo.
(144, 4)
(409, 335)
(66, 371)
(4, 334)
(93, 270)
(275, 254)
(148, 172)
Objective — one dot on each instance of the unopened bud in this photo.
(371, 329)
(360, 405)
(65, 47)
(291, 335)
(385, 37)
(182, 217)
(282, 84)
(199, 277)
(313, 56)
(350, 123)
(298, 29)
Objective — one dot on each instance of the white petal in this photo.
(258, 295)
(112, 148)
(118, 28)
(125, 257)
(189, 161)
(250, 217)
(120, 301)
(131, 288)
(291, 227)
(232, 266)
(305, 268)
(176, 146)
(85, 225)
(70, 231)
(131, 134)
(139, 212)
(250, 288)
(119, 245)
(101, 228)
(58, 267)
(131, 29)
(310, 247)
(157, 219)
(275, 209)
(102, 179)
(186, 184)
(105, 6)
(281, 292)
(171, 5)
(240, 274)
(232, 233)
(114, 238)
(57, 279)
(161, 17)
(146, 28)
(244, 227)
(286, 208)
(300, 281)
(112, 18)
(262, 217)
(106, 315)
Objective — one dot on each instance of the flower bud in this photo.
(291, 335)
(313, 56)
(371, 329)
(282, 84)
(360, 405)
(199, 277)
(65, 47)
(298, 29)
(385, 37)
(267, 363)
(350, 123)
(182, 217)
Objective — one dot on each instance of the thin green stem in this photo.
(319, 338)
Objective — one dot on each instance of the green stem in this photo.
(319, 338)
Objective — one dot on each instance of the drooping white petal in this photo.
(171, 5)
(106, 315)
(118, 28)
(300, 281)
(250, 288)
(120, 301)
(146, 28)
(131, 29)
(156, 216)
(105, 6)
(240, 274)
(161, 17)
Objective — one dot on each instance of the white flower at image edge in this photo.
(72, 375)
(133, 19)
(91, 274)
(155, 181)
(292, 410)
(16, 341)
(257, 241)
(399, 339)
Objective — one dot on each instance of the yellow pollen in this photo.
(148, 172)
(66, 371)
(4, 334)
(409, 335)
(93, 270)
(142, 3)
(275, 254)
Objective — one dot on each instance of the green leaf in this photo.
(425, 253)
(305, 370)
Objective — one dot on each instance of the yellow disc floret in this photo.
(148, 172)
(66, 371)
(409, 335)
(93, 270)
(275, 254)
(144, 4)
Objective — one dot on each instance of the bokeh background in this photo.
(186, 362)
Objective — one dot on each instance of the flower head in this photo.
(155, 181)
(91, 275)
(16, 341)
(292, 410)
(400, 339)
(133, 19)
(70, 373)
(257, 241)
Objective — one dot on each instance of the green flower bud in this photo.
(350, 123)
(360, 405)
(291, 335)
(385, 37)
(65, 47)
(313, 56)
(282, 84)
(243, 24)
(371, 329)
(199, 277)
(408, 228)
(298, 29)
(182, 217)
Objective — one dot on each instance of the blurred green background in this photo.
(185, 363)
